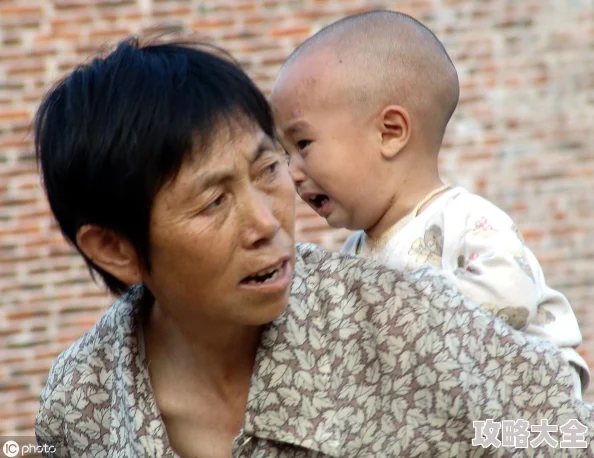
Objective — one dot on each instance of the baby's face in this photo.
(333, 150)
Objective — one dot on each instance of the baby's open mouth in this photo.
(318, 201)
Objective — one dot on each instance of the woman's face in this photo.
(222, 247)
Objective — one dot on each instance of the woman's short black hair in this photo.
(114, 131)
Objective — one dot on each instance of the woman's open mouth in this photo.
(271, 280)
(266, 275)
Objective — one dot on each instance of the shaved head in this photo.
(381, 58)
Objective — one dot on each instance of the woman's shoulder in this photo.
(84, 375)
(327, 272)
(94, 354)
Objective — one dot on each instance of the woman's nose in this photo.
(260, 223)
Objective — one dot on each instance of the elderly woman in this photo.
(161, 168)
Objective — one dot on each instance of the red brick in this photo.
(65, 22)
(16, 114)
(237, 6)
(108, 34)
(178, 11)
(205, 23)
(290, 30)
(20, 10)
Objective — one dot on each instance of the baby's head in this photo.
(361, 108)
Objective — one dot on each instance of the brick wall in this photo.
(521, 137)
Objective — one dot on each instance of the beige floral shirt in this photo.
(477, 247)
(365, 362)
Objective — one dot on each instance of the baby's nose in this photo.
(297, 171)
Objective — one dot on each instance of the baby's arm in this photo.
(488, 260)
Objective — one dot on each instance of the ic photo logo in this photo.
(12, 449)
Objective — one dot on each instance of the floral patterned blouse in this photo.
(365, 362)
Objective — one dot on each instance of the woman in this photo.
(161, 168)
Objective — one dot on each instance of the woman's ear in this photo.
(111, 252)
(395, 128)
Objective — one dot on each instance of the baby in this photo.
(361, 108)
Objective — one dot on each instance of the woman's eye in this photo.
(215, 203)
(271, 169)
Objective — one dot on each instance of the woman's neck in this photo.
(219, 357)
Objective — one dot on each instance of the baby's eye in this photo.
(302, 144)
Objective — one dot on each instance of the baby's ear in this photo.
(395, 127)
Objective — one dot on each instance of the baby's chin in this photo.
(336, 220)
(334, 224)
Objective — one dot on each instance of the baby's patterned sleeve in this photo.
(492, 267)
